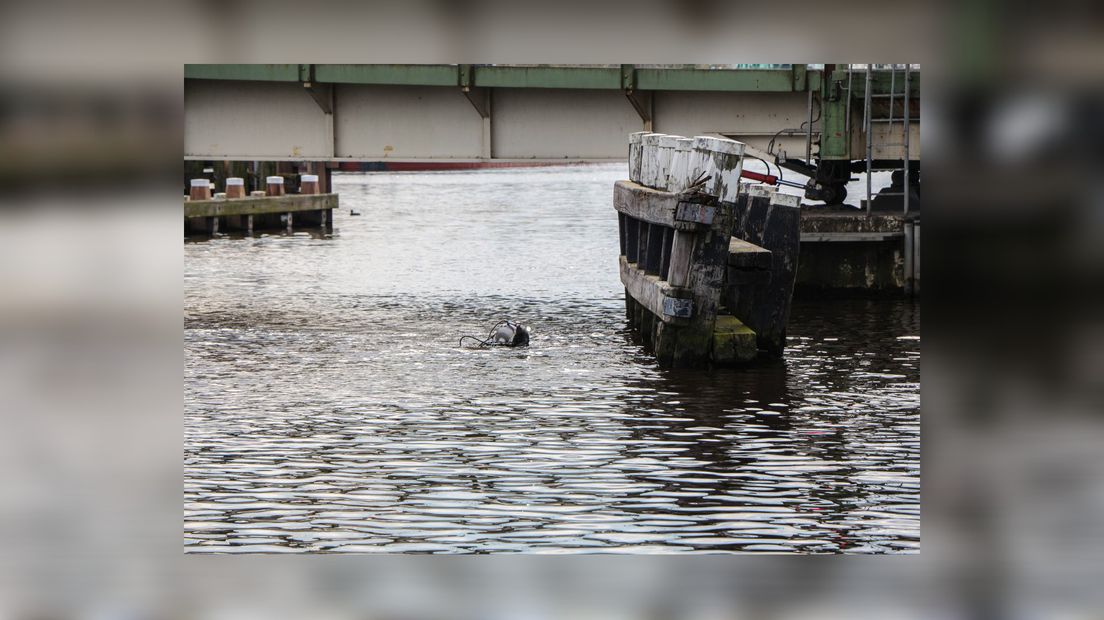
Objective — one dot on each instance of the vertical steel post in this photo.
(908, 117)
(847, 117)
(869, 143)
(809, 132)
(892, 92)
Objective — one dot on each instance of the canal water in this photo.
(328, 407)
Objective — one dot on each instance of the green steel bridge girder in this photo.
(829, 85)
(614, 77)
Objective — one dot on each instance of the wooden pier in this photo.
(259, 213)
(708, 270)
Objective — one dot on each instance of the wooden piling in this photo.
(235, 187)
(308, 184)
(665, 150)
(199, 189)
(649, 154)
(274, 185)
(635, 144)
(679, 177)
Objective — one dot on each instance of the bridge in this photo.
(810, 119)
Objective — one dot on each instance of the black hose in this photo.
(486, 341)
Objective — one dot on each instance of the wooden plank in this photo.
(771, 311)
(255, 206)
(733, 342)
(650, 292)
(746, 255)
(643, 203)
(708, 264)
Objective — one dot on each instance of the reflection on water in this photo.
(328, 407)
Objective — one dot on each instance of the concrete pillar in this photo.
(289, 218)
(249, 225)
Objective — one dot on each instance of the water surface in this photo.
(329, 408)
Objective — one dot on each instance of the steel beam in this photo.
(322, 95)
(407, 75)
(756, 80)
(264, 73)
(549, 77)
(610, 77)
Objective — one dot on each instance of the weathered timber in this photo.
(648, 205)
(760, 290)
(746, 255)
(288, 203)
(651, 292)
(733, 342)
(782, 237)
(680, 244)
(708, 265)
(846, 251)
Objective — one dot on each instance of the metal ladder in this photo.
(868, 122)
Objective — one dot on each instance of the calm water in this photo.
(329, 408)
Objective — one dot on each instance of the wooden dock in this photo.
(258, 213)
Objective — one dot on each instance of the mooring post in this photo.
(200, 189)
(725, 162)
(235, 187)
(308, 184)
(782, 236)
(665, 151)
(679, 179)
(649, 153)
(274, 185)
(635, 144)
